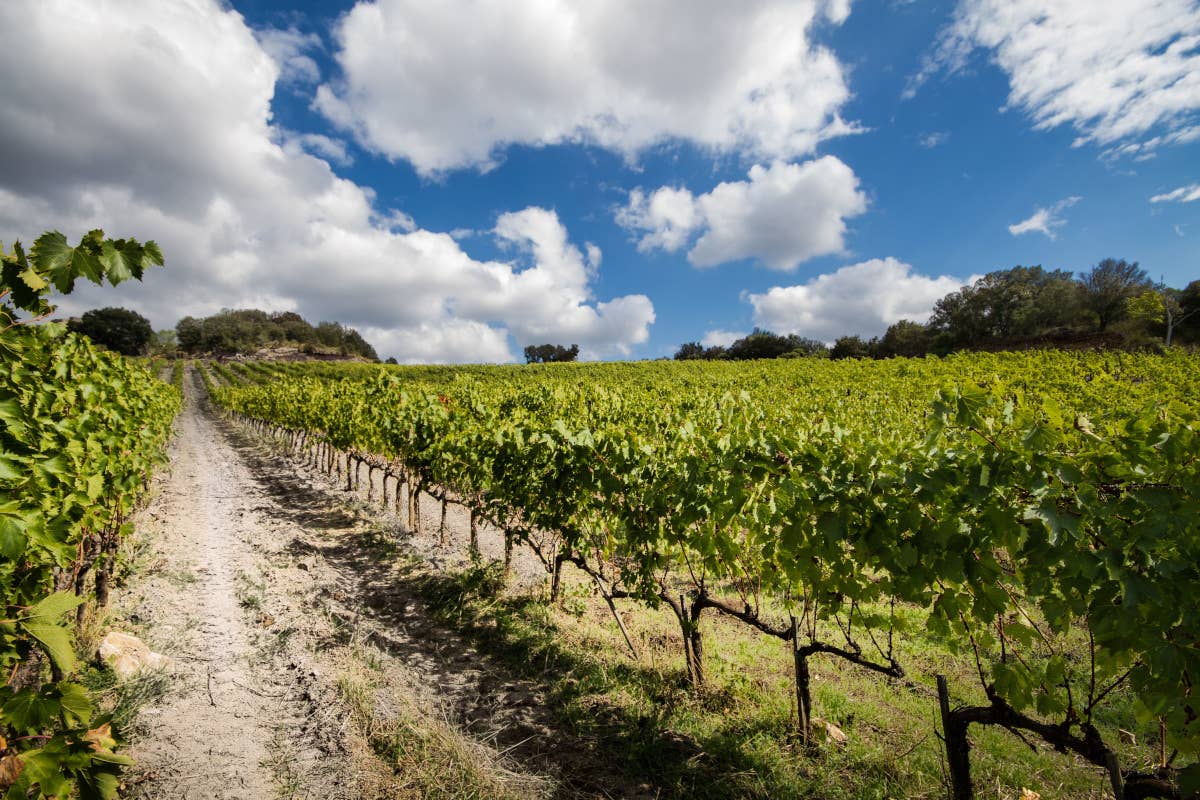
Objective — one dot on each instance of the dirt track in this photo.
(241, 717)
(262, 576)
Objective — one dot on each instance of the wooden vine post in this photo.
(442, 523)
(473, 545)
(803, 697)
(414, 506)
(958, 748)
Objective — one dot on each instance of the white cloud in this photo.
(720, 338)
(1044, 220)
(1114, 71)
(863, 299)
(1148, 149)
(169, 137)
(444, 342)
(782, 215)
(670, 216)
(289, 48)
(1184, 194)
(448, 85)
(332, 150)
(933, 139)
(594, 255)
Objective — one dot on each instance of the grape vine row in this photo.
(1019, 501)
(80, 431)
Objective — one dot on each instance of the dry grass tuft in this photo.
(426, 755)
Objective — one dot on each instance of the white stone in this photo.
(828, 731)
(127, 655)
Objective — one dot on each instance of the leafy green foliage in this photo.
(118, 329)
(1108, 287)
(80, 430)
(850, 347)
(550, 353)
(1030, 505)
(26, 279)
(758, 344)
(243, 331)
(1005, 304)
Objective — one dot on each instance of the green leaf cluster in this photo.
(26, 279)
(80, 431)
(1031, 505)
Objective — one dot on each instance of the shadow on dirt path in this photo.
(340, 562)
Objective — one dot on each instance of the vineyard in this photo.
(80, 432)
(769, 579)
(1031, 518)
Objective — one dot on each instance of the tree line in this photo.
(244, 331)
(1115, 304)
(229, 332)
(550, 353)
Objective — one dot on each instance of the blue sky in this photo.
(461, 179)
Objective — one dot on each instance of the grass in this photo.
(123, 698)
(428, 757)
(281, 760)
(249, 592)
(735, 739)
(179, 578)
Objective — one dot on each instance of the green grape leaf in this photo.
(28, 711)
(1189, 780)
(76, 701)
(12, 538)
(63, 263)
(10, 411)
(55, 640)
(117, 261)
(33, 280)
(44, 768)
(9, 470)
(113, 758)
(103, 785)
(52, 607)
(151, 254)
(95, 486)
(1056, 670)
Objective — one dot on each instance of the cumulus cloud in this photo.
(1113, 71)
(1184, 194)
(330, 149)
(668, 215)
(720, 338)
(169, 136)
(933, 139)
(1044, 220)
(782, 215)
(448, 85)
(863, 299)
(290, 49)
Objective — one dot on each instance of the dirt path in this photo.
(241, 719)
(272, 587)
